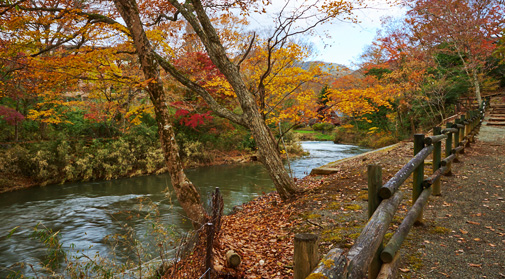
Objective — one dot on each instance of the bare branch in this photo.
(247, 51)
(163, 17)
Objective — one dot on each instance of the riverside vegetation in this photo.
(84, 151)
(178, 81)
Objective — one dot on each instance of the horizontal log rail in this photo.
(434, 139)
(368, 257)
(397, 180)
(448, 160)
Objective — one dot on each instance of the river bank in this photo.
(16, 181)
(334, 207)
(87, 214)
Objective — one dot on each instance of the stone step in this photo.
(495, 123)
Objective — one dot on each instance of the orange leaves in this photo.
(356, 97)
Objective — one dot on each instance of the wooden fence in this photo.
(368, 257)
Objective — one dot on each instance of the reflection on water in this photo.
(86, 213)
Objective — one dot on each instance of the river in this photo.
(87, 214)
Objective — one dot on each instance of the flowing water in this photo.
(86, 214)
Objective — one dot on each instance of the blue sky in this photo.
(348, 40)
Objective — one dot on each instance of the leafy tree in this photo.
(469, 28)
(150, 27)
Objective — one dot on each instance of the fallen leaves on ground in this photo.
(262, 231)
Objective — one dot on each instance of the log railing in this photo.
(368, 257)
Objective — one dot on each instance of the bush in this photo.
(383, 141)
(324, 127)
(61, 161)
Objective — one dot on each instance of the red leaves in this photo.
(11, 116)
(192, 120)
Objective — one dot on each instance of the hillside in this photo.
(334, 69)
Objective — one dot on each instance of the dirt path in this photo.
(463, 235)
(464, 231)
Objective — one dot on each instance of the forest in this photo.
(106, 89)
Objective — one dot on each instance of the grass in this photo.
(315, 135)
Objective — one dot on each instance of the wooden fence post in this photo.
(448, 149)
(456, 139)
(464, 129)
(462, 135)
(418, 175)
(437, 157)
(374, 184)
(469, 121)
(306, 256)
(210, 241)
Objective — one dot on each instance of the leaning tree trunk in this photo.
(187, 194)
(267, 146)
(269, 155)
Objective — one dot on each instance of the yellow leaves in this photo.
(372, 130)
(357, 102)
(288, 94)
(46, 116)
(347, 126)
(220, 86)
(136, 112)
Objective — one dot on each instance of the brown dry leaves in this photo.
(262, 233)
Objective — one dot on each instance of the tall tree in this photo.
(466, 28)
(143, 18)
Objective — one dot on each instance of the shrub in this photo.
(324, 127)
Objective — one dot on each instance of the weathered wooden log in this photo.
(418, 174)
(374, 184)
(306, 255)
(465, 128)
(456, 135)
(432, 179)
(448, 146)
(461, 129)
(457, 150)
(362, 252)
(210, 240)
(329, 266)
(460, 126)
(464, 142)
(447, 161)
(233, 259)
(355, 264)
(437, 156)
(434, 139)
(472, 136)
(396, 241)
(394, 183)
(389, 270)
(449, 130)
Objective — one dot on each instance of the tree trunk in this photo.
(187, 194)
(476, 84)
(270, 157)
(267, 146)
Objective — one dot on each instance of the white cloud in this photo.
(347, 40)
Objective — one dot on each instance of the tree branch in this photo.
(248, 50)
(216, 107)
